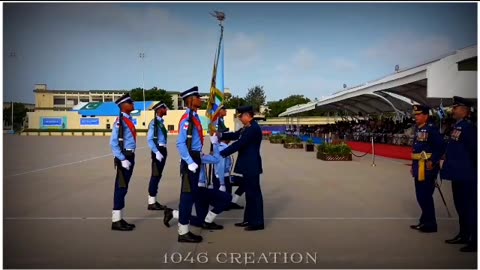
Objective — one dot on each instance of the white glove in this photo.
(201, 184)
(159, 156)
(126, 164)
(222, 188)
(193, 167)
(214, 139)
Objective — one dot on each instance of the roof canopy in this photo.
(397, 92)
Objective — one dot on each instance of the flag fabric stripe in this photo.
(216, 88)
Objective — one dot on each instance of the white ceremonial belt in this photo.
(162, 145)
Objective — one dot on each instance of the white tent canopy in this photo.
(382, 95)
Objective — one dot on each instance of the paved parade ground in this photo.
(58, 194)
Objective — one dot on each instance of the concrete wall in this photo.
(44, 100)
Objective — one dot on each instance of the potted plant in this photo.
(276, 139)
(292, 142)
(334, 152)
(309, 146)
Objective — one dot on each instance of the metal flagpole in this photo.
(220, 16)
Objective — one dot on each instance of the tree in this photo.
(19, 114)
(256, 97)
(277, 107)
(234, 102)
(152, 94)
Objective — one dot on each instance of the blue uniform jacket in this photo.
(461, 154)
(161, 137)
(219, 162)
(428, 139)
(249, 139)
(128, 140)
(182, 140)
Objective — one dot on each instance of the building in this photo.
(95, 109)
(66, 100)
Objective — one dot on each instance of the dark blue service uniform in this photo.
(460, 167)
(249, 164)
(428, 146)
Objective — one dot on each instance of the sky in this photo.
(288, 48)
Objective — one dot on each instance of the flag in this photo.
(441, 111)
(216, 89)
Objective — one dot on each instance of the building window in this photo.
(171, 127)
(59, 101)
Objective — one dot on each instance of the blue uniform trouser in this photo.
(228, 185)
(424, 191)
(254, 200)
(240, 189)
(157, 170)
(189, 193)
(465, 199)
(120, 192)
(219, 200)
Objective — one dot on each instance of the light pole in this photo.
(142, 57)
(14, 56)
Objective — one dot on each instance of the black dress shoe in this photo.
(156, 207)
(457, 240)
(167, 216)
(416, 227)
(242, 224)
(235, 206)
(469, 248)
(119, 226)
(190, 238)
(254, 228)
(125, 223)
(212, 226)
(427, 229)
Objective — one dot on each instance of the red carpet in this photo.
(384, 150)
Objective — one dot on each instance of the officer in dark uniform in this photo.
(428, 147)
(249, 164)
(157, 142)
(189, 146)
(460, 166)
(123, 144)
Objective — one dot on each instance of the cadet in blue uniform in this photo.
(218, 198)
(460, 166)
(189, 146)
(157, 141)
(249, 164)
(428, 147)
(123, 144)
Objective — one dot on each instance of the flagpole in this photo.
(220, 16)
